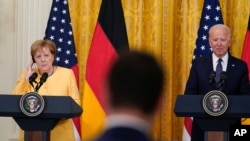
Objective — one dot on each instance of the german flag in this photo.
(109, 39)
(246, 57)
(246, 48)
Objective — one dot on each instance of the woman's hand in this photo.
(30, 70)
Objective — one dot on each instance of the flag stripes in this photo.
(109, 39)
(246, 47)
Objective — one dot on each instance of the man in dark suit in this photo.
(134, 89)
(235, 81)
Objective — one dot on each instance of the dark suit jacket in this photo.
(237, 83)
(123, 134)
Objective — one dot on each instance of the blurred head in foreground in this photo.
(135, 84)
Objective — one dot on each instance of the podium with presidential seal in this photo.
(37, 115)
(214, 111)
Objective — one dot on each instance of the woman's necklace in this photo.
(52, 71)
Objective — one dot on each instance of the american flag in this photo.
(211, 15)
(59, 30)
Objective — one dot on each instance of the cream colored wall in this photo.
(7, 127)
(21, 23)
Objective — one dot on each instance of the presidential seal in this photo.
(215, 103)
(31, 104)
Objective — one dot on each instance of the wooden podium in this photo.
(55, 109)
(191, 106)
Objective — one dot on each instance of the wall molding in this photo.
(30, 18)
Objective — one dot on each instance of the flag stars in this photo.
(207, 17)
(51, 37)
(60, 40)
(58, 59)
(65, 2)
(208, 7)
(210, 15)
(203, 47)
(59, 49)
(204, 37)
(66, 61)
(55, 9)
(62, 30)
(68, 52)
(69, 42)
(217, 18)
(64, 12)
(53, 28)
(217, 8)
(63, 21)
(205, 27)
(70, 33)
(54, 18)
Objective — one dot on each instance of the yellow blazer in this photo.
(61, 83)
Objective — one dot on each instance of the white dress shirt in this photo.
(130, 121)
(224, 61)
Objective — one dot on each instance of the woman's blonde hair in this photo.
(39, 44)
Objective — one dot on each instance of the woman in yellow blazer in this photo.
(61, 81)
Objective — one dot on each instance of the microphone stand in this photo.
(222, 81)
(32, 79)
(42, 80)
(37, 87)
(212, 80)
(44, 134)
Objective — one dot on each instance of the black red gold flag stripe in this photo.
(109, 39)
(246, 47)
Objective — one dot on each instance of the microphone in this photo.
(223, 79)
(211, 78)
(42, 80)
(32, 79)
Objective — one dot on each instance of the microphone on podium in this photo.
(32, 103)
(42, 80)
(32, 79)
(211, 78)
(223, 79)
